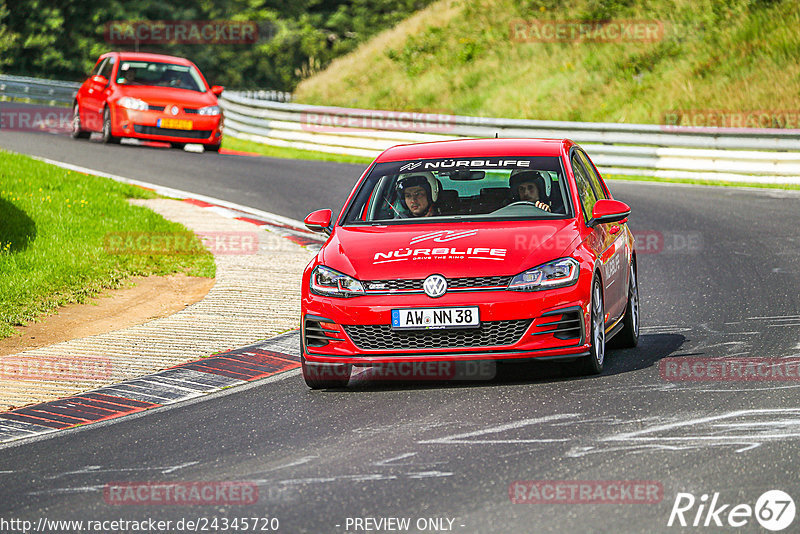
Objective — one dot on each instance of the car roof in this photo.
(146, 56)
(470, 148)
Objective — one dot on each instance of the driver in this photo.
(528, 186)
(418, 192)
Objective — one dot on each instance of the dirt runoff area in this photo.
(142, 299)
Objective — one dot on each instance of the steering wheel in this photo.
(521, 203)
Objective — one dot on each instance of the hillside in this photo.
(462, 57)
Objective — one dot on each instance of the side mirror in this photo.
(319, 221)
(100, 79)
(217, 89)
(608, 211)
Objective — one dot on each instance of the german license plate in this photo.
(175, 124)
(425, 318)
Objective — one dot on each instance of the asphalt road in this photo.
(721, 284)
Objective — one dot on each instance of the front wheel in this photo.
(628, 337)
(178, 145)
(593, 363)
(319, 376)
(211, 148)
(108, 138)
(77, 128)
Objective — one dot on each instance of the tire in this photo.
(593, 363)
(178, 145)
(325, 376)
(628, 337)
(108, 138)
(77, 128)
(211, 148)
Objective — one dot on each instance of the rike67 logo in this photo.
(774, 510)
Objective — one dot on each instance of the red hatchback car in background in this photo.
(479, 249)
(148, 96)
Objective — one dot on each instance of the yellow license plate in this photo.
(175, 124)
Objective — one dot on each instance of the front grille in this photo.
(171, 132)
(452, 283)
(489, 334)
(562, 324)
(151, 107)
(481, 281)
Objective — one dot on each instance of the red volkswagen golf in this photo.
(148, 96)
(500, 249)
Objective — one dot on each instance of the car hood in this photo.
(452, 250)
(164, 96)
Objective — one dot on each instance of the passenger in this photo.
(128, 75)
(418, 193)
(528, 186)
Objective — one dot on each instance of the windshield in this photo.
(477, 188)
(160, 74)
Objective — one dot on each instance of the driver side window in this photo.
(105, 70)
(97, 68)
(585, 191)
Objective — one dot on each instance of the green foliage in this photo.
(464, 57)
(63, 39)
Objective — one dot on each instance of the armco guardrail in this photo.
(728, 154)
(275, 96)
(37, 90)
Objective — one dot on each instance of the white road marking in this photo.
(91, 469)
(299, 461)
(400, 457)
(464, 438)
(758, 427)
(691, 423)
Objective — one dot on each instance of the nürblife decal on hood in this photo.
(440, 253)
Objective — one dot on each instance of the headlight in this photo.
(133, 103)
(559, 273)
(330, 283)
(208, 110)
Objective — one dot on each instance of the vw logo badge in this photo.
(435, 285)
(174, 110)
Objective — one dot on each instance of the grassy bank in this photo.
(461, 57)
(52, 233)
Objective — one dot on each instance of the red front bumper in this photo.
(547, 312)
(205, 129)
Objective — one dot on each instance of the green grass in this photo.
(244, 145)
(52, 232)
(459, 57)
(692, 181)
